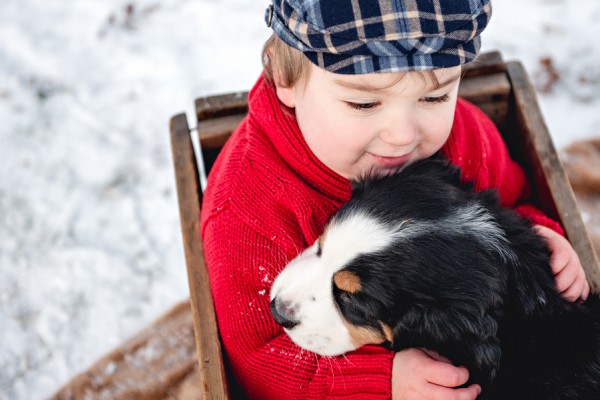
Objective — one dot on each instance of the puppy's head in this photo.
(412, 260)
(316, 298)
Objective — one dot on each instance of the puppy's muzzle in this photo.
(283, 313)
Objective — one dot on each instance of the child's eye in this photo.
(361, 106)
(436, 99)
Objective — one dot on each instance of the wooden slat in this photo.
(214, 132)
(551, 181)
(485, 64)
(485, 88)
(210, 358)
(491, 94)
(221, 105)
(158, 363)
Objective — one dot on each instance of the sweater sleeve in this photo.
(476, 145)
(242, 265)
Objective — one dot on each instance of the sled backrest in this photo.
(501, 89)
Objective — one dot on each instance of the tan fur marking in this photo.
(388, 332)
(323, 236)
(321, 240)
(361, 336)
(347, 281)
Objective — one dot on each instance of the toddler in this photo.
(349, 88)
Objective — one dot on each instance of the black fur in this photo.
(447, 290)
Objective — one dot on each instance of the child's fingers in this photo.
(579, 289)
(443, 393)
(586, 289)
(560, 249)
(444, 374)
(566, 277)
(573, 293)
(468, 393)
(560, 258)
(425, 375)
(569, 275)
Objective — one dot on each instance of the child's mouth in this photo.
(393, 161)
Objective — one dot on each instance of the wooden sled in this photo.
(501, 89)
(159, 363)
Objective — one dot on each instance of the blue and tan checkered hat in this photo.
(362, 36)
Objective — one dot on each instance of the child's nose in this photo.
(399, 132)
(400, 126)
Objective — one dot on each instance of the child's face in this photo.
(373, 122)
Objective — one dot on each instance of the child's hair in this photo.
(293, 66)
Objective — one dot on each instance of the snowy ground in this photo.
(90, 249)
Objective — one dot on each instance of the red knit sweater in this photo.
(269, 197)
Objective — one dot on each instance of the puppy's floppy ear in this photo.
(467, 337)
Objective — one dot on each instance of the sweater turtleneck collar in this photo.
(281, 127)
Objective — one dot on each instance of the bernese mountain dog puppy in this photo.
(419, 259)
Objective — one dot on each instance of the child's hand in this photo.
(419, 374)
(568, 272)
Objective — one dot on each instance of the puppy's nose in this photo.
(283, 313)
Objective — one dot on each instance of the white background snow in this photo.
(90, 247)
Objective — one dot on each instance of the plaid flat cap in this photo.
(363, 36)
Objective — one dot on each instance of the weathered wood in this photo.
(214, 132)
(221, 105)
(158, 363)
(550, 180)
(490, 92)
(485, 64)
(210, 357)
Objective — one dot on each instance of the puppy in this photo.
(418, 259)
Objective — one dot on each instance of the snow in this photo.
(90, 247)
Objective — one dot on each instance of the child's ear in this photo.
(285, 94)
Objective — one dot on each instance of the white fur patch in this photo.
(306, 282)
